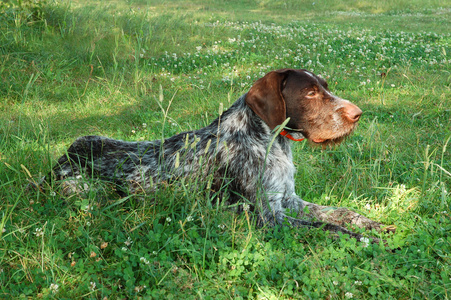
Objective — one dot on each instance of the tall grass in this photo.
(140, 70)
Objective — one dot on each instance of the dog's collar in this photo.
(289, 136)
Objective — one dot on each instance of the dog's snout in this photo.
(352, 113)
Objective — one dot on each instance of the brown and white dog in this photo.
(232, 150)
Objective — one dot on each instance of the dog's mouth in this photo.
(329, 142)
(329, 138)
(324, 143)
(318, 141)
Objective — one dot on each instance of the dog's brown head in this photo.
(314, 111)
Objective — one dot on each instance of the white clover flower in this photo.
(92, 286)
(144, 260)
(124, 249)
(402, 188)
(246, 207)
(221, 226)
(368, 206)
(139, 288)
(168, 219)
(52, 194)
(54, 288)
(154, 252)
(357, 282)
(128, 242)
(198, 48)
(144, 125)
(189, 218)
(38, 232)
(335, 282)
(349, 295)
(365, 241)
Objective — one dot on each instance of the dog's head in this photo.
(314, 111)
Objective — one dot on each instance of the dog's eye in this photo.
(311, 94)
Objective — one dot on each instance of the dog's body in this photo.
(232, 150)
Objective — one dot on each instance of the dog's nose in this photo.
(352, 113)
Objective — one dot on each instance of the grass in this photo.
(89, 67)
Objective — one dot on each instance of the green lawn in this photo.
(73, 68)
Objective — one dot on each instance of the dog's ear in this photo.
(266, 100)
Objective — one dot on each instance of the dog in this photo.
(245, 152)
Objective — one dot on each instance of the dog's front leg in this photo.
(296, 214)
(340, 216)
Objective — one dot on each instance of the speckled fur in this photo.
(235, 156)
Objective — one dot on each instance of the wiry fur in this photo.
(235, 156)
